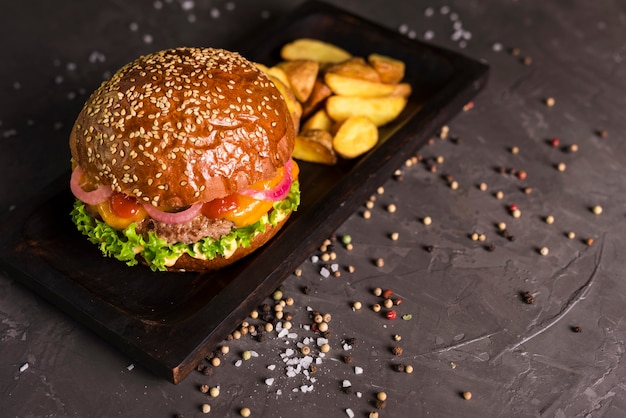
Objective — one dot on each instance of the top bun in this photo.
(182, 126)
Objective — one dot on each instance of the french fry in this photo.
(315, 146)
(294, 106)
(320, 92)
(279, 73)
(349, 86)
(355, 136)
(355, 67)
(313, 49)
(319, 120)
(380, 110)
(302, 75)
(391, 70)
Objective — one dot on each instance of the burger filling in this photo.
(124, 228)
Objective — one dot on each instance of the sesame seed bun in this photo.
(182, 126)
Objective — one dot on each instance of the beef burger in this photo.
(182, 161)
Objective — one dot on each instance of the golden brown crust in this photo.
(188, 263)
(182, 126)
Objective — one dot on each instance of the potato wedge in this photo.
(355, 67)
(348, 86)
(391, 70)
(316, 99)
(380, 110)
(302, 75)
(294, 106)
(279, 73)
(315, 146)
(319, 120)
(355, 136)
(313, 49)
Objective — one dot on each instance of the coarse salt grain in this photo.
(130, 367)
(24, 367)
(358, 370)
(346, 384)
(349, 413)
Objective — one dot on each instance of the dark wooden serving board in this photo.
(169, 321)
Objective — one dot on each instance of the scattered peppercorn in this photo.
(430, 248)
(544, 251)
(408, 369)
(597, 209)
(399, 368)
(528, 298)
(467, 395)
(391, 314)
(381, 396)
(245, 412)
(380, 262)
(397, 350)
(206, 408)
(577, 329)
(589, 242)
(427, 220)
(380, 404)
(347, 359)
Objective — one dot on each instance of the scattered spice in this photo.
(399, 368)
(549, 219)
(397, 350)
(206, 408)
(577, 329)
(589, 242)
(544, 251)
(571, 235)
(381, 396)
(467, 395)
(528, 298)
(245, 412)
(347, 359)
(380, 262)
(391, 314)
(597, 209)
(357, 305)
(427, 220)
(408, 369)
(561, 167)
(391, 208)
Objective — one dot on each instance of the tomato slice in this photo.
(244, 210)
(124, 206)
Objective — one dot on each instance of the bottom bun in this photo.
(191, 264)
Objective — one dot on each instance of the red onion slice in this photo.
(173, 217)
(276, 193)
(94, 197)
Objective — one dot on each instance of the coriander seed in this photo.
(544, 251)
(376, 307)
(325, 348)
(549, 219)
(467, 395)
(597, 209)
(206, 408)
(394, 236)
(427, 220)
(391, 208)
(214, 392)
(357, 305)
(408, 369)
(381, 396)
(245, 412)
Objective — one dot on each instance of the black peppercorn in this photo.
(399, 368)
(528, 298)
(347, 359)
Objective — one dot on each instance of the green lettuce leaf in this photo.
(126, 244)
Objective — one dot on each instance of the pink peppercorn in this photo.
(555, 142)
(391, 314)
(387, 293)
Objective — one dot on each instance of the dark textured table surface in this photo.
(465, 322)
